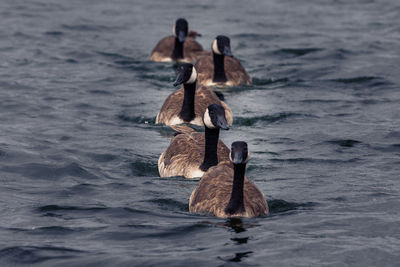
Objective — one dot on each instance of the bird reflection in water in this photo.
(236, 224)
(238, 256)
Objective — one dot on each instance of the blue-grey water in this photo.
(79, 184)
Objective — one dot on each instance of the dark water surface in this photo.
(78, 147)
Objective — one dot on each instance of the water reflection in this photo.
(238, 256)
(236, 224)
(239, 240)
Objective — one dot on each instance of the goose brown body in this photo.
(185, 154)
(234, 71)
(169, 113)
(163, 50)
(213, 193)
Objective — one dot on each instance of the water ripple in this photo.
(250, 121)
(281, 206)
(36, 254)
(47, 171)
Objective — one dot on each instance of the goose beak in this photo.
(222, 123)
(179, 79)
(237, 157)
(227, 51)
(181, 36)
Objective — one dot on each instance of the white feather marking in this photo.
(248, 157)
(207, 120)
(193, 76)
(209, 82)
(175, 120)
(215, 47)
(197, 121)
(196, 173)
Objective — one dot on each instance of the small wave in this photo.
(156, 77)
(388, 148)
(88, 28)
(102, 157)
(52, 208)
(34, 254)
(267, 118)
(45, 171)
(314, 160)
(136, 119)
(140, 168)
(237, 257)
(297, 51)
(344, 142)
(170, 204)
(147, 232)
(371, 81)
(100, 92)
(117, 56)
(129, 63)
(54, 33)
(261, 81)
(255, 36)
(361, 79)
(281, 206)
(326, 101)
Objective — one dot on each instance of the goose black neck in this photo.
(219, 69)
(177, 53)
(187, 112)
(210, 155)
(236, 203)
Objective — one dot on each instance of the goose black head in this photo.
(222, 46)
(239, 153)
(186, 74)
(181, 29)
(214, 117)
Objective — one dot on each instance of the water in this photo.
(78, 147)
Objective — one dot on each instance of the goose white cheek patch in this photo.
(193, 76)
(207, 120)
(215, 48)
(174, 29)
(248, 157)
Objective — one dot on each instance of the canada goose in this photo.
(219, 67)
(179, 47)
(188, 104)
(226, 192)
(192, 154)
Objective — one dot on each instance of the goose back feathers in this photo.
(219, 67)
(190, 154)
(188, 104)
(225, 191)
(181, 46)
(169, 113)
(185, 155)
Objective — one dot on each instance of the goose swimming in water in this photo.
(191, 154)
(219, 67)
(188, 104)
(179, 47)
(226, 192)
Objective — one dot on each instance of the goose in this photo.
(188, 104)
(219, 67)
(179, 47)
(190, 154)
(226, 192)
